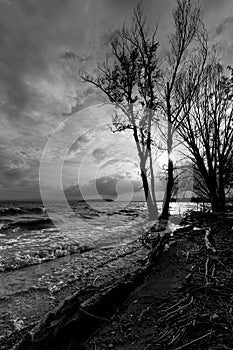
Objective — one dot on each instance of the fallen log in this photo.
(73, 321)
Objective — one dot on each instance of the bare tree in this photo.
(128, 78)
(208, 131)
(186, 57)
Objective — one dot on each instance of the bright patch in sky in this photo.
(39, 88)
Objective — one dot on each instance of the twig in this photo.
(178, 303)
(165, 334)
(213, 271)
(206, 270)
(97, 317)
(119, 323)
(95, 280)
(142, 313)
(194, 341)
(194, 269)
(159, 307)
(168, 315)
(187, 319)
(178, 337)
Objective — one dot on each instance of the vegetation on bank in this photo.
(196, 313)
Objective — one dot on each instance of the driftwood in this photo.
(73, 322)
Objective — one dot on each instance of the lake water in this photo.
(28, 236)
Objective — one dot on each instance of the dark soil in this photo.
(133, 326)
(186, 301)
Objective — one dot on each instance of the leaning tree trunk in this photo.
(152, 206)
(170, 180)
(168, 194)
(153, 186)
(152, 209)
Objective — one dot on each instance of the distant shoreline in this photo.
(192, 200)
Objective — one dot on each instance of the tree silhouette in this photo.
(129, 78)
(185, 57)
(207, 131)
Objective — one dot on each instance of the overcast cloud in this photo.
(39, 87)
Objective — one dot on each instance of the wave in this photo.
(27, 223)
(125, 212)
(19, 261)
(129, 212)
(12, 211)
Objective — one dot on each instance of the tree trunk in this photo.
(222, 202)
(221, 193)
(153, 185)
(170, 180)
(152, 206)
(218, 203)
(217, 195)
(168, 195)
(152, 209)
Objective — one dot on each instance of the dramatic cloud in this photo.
(99, 154)
(43, 45)
(104, 187)
(224, 26)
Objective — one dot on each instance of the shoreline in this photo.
(18, 310)
(185, 302)
(127, 261)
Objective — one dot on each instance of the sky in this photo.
(42, 98)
